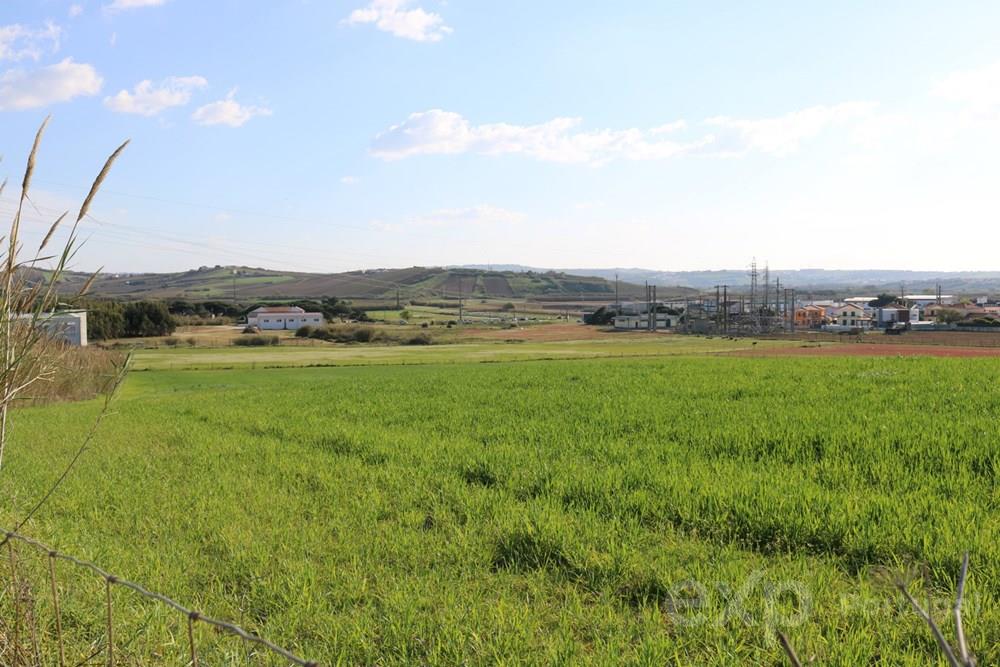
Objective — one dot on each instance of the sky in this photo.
(330, 135)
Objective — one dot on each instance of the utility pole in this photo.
(718, 315)
(461, 313)
(397, 297)
(618, 305)
(235, 272)
(792, 327)
(655, 308)
(725, 304)
(777, 291)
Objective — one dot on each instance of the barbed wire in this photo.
(114, 580)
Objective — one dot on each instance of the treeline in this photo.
(110, 319)
(136, 319)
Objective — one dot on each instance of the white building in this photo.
(850, 315)
(641, 322)
(282, 317)
(69, 326)
(924, 300)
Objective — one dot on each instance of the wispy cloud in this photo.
(438, 132)
(228, 112)
(75, 10)
(125, 5)
(398, 18)
(976, 89)
(29, 89)
(19, 42)
(478, 216)
(349, 180)
(147, 99)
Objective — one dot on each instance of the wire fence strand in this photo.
(111, 580)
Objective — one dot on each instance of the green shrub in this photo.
(257, 341)
(304, 331)
(419, 339)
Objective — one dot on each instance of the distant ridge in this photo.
(250, 283)
(958, 282)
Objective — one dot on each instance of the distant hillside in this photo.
(219, 282)
(873, 280)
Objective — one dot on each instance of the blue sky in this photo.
(342, 134)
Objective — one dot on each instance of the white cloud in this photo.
(349, 180)
(18, 42)
(227, 112)
(477, 216)
(484, 214)
(438, 132)
(784, 134)
(558, 140)
(977, 89)
(395, 17)
(28, 89)
(124, 5)
(75, 10)
(147, 99)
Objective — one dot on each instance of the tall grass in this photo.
(27, 350)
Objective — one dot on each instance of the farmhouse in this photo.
(282, 317)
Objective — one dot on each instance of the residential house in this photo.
(850, 315)
(810, 316)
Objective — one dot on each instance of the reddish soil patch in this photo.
(872, 350)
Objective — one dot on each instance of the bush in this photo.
(419, 339)
(171, 341)
(364, 335)
(147, 318)
(257, 341)
(192, 341)
(251, 329)
(346, 334)
(304, 331)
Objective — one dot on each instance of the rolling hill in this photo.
(247, 283)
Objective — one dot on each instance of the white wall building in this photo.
(282, 317)
(641, 322)
(69, 326)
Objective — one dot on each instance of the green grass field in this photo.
(662, 510)
(465, 352)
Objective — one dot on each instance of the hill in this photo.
(243, 283)
(838, 280)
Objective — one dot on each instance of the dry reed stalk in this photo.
(30, 294)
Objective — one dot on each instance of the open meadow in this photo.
(658, 506)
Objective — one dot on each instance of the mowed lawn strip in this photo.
(669, 511)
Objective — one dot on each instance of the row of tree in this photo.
(110, 319)
(134, 319)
